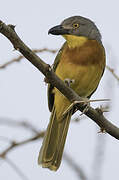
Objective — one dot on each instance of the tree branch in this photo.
(17, 144)
(16, 169)
(20, 57)
(113, 73)
(79, 171)
(15, 123)
(94, 114)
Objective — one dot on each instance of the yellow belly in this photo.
(85, 81)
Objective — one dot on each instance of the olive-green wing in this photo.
(50, 87)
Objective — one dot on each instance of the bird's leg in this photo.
(86, 103)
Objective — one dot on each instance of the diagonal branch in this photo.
(16, 168)
(20, 57)
(113, 73)
(14, 123)
(75, 167)
(17, 144)
(95, 114)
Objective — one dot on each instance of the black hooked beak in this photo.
(58, 30)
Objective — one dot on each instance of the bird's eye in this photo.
(75, 26)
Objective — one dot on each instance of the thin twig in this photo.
(5, 139)
(98, 157)
(71, 163)
(18, 144)
(20, 57)
(16, 169)
(23, 124)
(113, 73)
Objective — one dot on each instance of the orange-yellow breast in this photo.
(84, 65)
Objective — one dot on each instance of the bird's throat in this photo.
(75, 41)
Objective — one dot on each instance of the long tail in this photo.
(53, 144)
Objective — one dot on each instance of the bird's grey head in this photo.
(79, 26)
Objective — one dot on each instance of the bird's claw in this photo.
(86, 102)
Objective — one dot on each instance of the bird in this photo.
(80, 63)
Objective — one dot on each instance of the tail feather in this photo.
(53, 144)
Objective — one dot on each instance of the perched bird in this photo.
(81, 63)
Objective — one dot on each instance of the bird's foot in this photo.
(86, 103)
(68, 81)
